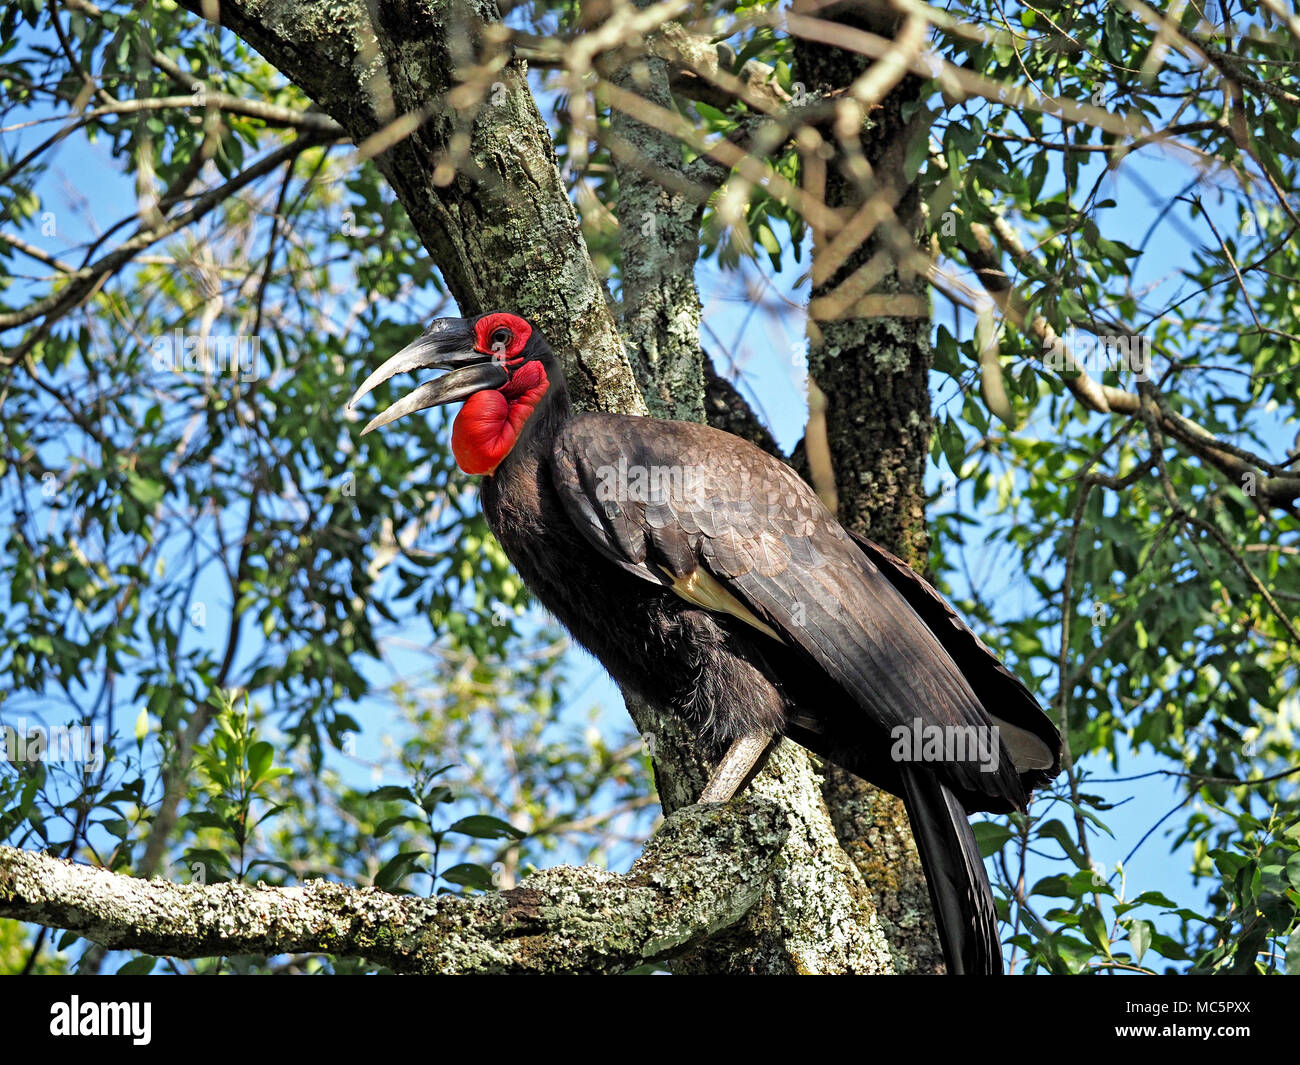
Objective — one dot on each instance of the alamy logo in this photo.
(919, 742)
(102, 1018)
(236, 355)
(647, 484)
(1097, 354)
(53, 743)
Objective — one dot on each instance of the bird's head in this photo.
(499, 365)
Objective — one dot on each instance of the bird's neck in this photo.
(495, 423)
(518, 497)
(536, 433)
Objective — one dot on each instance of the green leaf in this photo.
(399, 866)
(1277, 909)
(1228, 863)
(1074, 953)
(117, 827)
(954, 446)
(260, 756)
(214, 861)
(145, 492)
(991, 836)
(204, 819)
(1293, 870)
(1168, 947)
(1057, 831)
(391, 793)
(469, 875)
(434, 796)
(484, 826)
(1093, 925)
(141, 966)
(1139, 937)
(1154, 898)
(389, 823)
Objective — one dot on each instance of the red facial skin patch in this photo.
(489, 423)
(519, 330)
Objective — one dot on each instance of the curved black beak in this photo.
(448, 343)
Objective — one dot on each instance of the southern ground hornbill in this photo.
(705, 575)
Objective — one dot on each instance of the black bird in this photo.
(705, 575)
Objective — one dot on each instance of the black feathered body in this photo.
(865, 645)
(706, 576)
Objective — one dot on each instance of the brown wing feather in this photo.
(1030, 735)
(665, 498)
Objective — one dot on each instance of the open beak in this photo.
(448, 344)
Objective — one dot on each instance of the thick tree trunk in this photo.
(475, 170)
(659, 240)
(873, 369)
(816, 914)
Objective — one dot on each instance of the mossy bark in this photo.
(659, 239)
(815, 914)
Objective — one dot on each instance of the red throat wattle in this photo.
(490, 422)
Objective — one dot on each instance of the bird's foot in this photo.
(744, 758)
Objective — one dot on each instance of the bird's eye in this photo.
(500, 336)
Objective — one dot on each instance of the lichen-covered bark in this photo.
(703, 870)
(872, 827)
(816, 915)
(477, 176)
(659, 239)
(875, 370)
(874, 374)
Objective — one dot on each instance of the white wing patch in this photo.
(701, 589)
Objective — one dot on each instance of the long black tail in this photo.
(954, 872)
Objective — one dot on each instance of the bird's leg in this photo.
(743, 759)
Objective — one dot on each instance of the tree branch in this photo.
(1241, 467)
(85, 281)
(700, 873)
